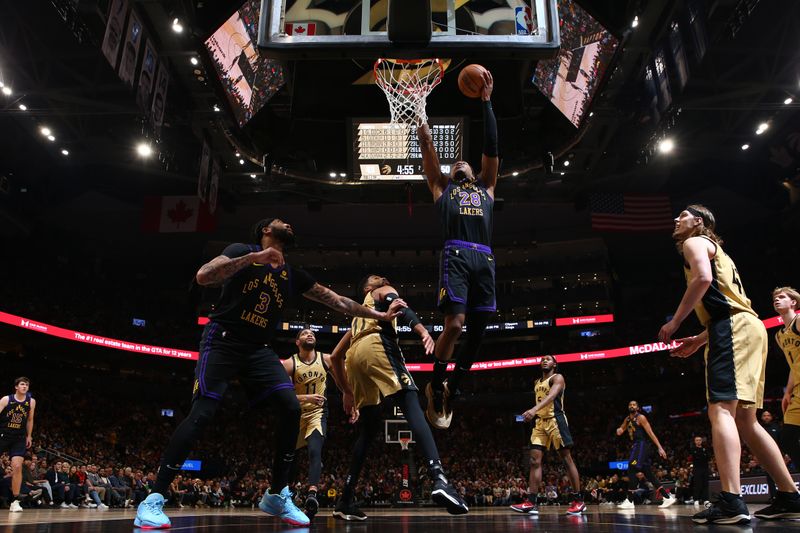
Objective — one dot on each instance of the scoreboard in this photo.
(384, 151)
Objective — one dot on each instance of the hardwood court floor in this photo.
(495, 520)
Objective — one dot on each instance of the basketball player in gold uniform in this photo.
(551, 431)
(369, 368)
(308, 369)
(735, 359)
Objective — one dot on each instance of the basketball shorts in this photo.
(792, 414)
(376, 369)
(466, 278)
(312, 420)
(224, 358)
(640, 455)
(13, 444)
(736, 357)
(551, 433)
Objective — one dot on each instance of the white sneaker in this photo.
(15, 507)
(627, 504)
(102, 506)
(72, 506)
(92, 506)
(668, 500)
(64, 505)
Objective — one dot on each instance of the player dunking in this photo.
(735, 361)
(785, 301)
(551, 431)
(16, 430)
(256, 286)
(466, 285)
(369, 368)
(639, 430)
(308, 369)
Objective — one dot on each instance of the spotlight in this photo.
(252, 176)
(177, 27)
(194, 61)
(762, 128)
(566, 163)
(238, 154)
(64, 151)
(332, 174)
(562, 173)
(51, 138)
(342, 175)
(787, 101)
(635, 21)
(591, 113)
(45, 131)
(23, 107)
(144, 149)
(745, 146)
(666, 146)
(241, 161)
(515, 173)
(7, 91)
(216, 108)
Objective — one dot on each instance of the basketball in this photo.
(470, 80)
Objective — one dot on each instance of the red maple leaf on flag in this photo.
(300, 29)
(180, 213)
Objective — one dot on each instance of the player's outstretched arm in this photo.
(407, 316)
(555, 390)
(340, 376)
(621, 428)
(649, 430)
(345, 305)
(490, 160)
(437, 182)
(695, 253)
(223, 267)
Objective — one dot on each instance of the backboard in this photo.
(475, 29)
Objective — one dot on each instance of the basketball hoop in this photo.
(407, 84)
(404, 442)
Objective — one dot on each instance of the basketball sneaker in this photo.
(348, 511)
(150, 513)
(15, 507)
(311, 506)
(576, 507)
(526, 507)
(786, 505)
(626, 504)
(728, 509)
(668, 500)
(445, 495)
(436, 411)
(282, 506)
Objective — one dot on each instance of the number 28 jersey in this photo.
(725, 296)
(465, 212)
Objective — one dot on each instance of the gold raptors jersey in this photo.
(366, 326)
(725, 296)
(309, 378)
(541, 389)
(788, 338)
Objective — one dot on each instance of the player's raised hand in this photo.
(270, 256)
(488, 85)
(395, 309)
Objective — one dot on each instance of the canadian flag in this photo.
(301, 28)
(176, 214)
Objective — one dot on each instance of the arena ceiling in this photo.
(50, 56)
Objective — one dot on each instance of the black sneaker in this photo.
(446, 496)
(728, 509)
(785, 505)
(311, 506)
(348, 511)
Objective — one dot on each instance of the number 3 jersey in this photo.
(465, 211)
(725, 296)
(252, 300)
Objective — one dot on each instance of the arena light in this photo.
(787, 101)
(253, 176)
(332, 174)
(216, 108)
(194, 61)
(342, 175)
(22, 107)
(144, 149)
(566, 162)
(515, 173)
(64, 151)
(241, 161)
(44, 130)
(177, 27)
(745, 146)
(666, 146)
(635, 21)
(51, 138)
(562, 173)
(7, 90)
(762, 128)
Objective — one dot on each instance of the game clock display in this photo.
(384, 151)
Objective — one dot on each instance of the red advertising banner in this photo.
(584, 320)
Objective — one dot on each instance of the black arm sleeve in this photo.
(238, 249)
(489, 130)
(301, 281)
(408, 316)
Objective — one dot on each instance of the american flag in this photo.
(630, 212)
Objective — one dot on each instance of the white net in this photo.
(404, 443)
(407, 84)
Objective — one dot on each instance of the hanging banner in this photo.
(213, 189)
(130, 50)
(202, 177)
(115, 25)
(160, 97)
(147, 75)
